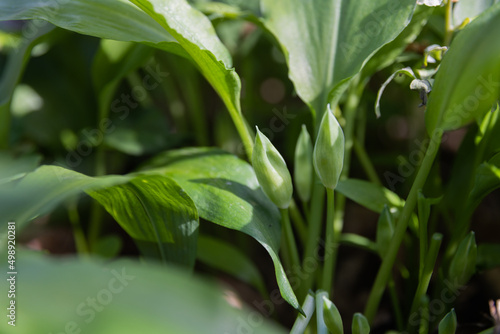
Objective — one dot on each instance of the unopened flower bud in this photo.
(463, 264)
(303, 172)
(271, 171)
(328, 155)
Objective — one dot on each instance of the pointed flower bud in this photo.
(449, 323)
(331, 316)
(303, 173)
(360, 324)
(271, 171)
(463, 263)
(328, 155)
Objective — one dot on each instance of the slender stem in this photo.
(424, 316)
(448, 23)
(298, 222)
(290, 240)
(80, 241)
(359, 241)
(332, 242)
(422, 227)
(314, 232)
(387, 263)
(243, 130)
(396, 307)
(425, 277)
(366, 163)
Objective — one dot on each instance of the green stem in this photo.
(314, 232)
(332, 243)
(290, 240)
(396, 307)
(243, 130)
(388, 262)
(425, 277)
(366, 163)
(298, 222)
(80, 241)
(359, 241)
(448, 23)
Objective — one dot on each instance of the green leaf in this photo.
(360, 324)
(487, 179)
(226, 192)
(40, 191)
(487, 256)
(386, 56)
(152, 209)
(468, 81)
(332, 317)
(449, 323)
(157, 214)
(327, 42)
(109, 19)
(15, 167)
(197, 36)
(121, 297)
(230, 259)
(369, 195)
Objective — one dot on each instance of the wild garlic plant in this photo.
(124, 113)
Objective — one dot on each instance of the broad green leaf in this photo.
(152, 209)
(387, 55)
(469, 9)
(40, 191)
(228, 258)
(468, 81)
(327, 42)
(71, 296)
(15, 167)
(157, 214)
(109, 19)
(369, 195)
(487, 256)
(197, 36)
(226, 192)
